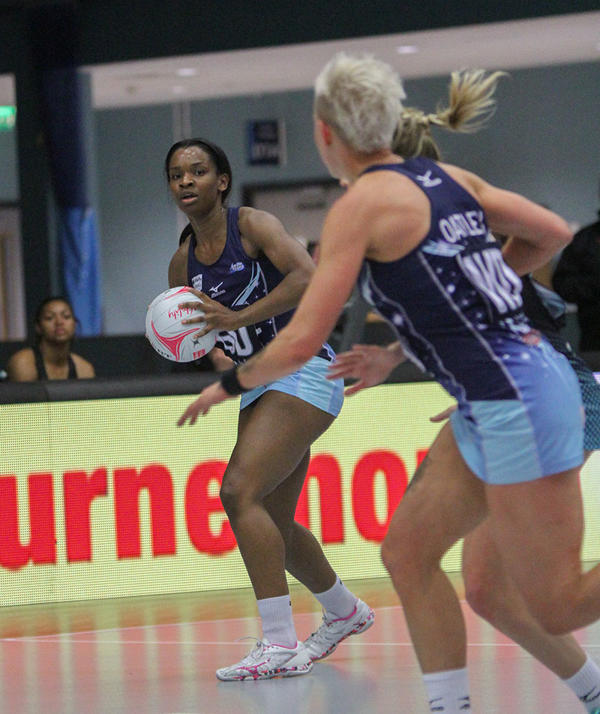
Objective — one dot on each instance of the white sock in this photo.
(277, 623)
(448, 691)
(585, 684)
(338, 600)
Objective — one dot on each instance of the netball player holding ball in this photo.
(248, 274)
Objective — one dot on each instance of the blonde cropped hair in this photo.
(361, 98)
(471, 104)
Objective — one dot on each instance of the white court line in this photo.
(73, 636)
(170, 624)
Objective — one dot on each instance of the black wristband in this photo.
(231, 384)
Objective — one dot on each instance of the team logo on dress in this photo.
(427, 181)
(236, 267)
(215, 291)
(197, 282)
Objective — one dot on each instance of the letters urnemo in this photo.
(198, 505)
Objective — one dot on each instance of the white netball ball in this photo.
(166, 333)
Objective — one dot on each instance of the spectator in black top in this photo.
(577, 280)
(51, 356)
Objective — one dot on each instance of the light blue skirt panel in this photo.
(513, 441)
(309, 383)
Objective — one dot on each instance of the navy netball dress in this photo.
(237, 280)
(457, 310)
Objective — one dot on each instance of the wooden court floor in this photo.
(158, 655)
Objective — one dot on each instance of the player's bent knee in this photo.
(481, 586)
(397, 561)
(407, 553)
(234, 494)
(229, 500)
(480, 596)
(387, 556)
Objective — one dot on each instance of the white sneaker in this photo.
(331, 632)
(266, 661)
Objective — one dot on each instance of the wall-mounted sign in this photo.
(8, 117)
(266, 142)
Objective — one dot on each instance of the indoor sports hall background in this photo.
(108, 498)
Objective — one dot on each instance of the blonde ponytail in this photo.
(471, 104)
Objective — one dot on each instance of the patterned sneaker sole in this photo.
(360, 627)
(270, 674)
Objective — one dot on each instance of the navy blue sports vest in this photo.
(41, 367)
(454, 304)
(237, 280)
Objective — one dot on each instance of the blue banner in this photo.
(79, 251)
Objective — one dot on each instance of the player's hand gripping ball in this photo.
(166, 333)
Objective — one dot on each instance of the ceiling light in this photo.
(407, 49)
(186, 71)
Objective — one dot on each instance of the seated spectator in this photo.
(51, 356)
(577, 280)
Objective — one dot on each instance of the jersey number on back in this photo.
(492, 277)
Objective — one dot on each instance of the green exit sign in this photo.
(8, 116)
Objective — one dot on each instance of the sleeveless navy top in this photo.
(453, 302)
(41, 368)
(237, 280)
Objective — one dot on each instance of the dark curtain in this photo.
(54, 35)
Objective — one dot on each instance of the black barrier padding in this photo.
(127, 366)
(65, 390)
(112, 356)
(20, 392)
